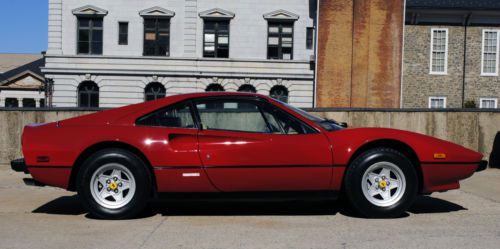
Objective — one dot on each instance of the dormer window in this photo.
(216, 23)
(280, 34)
(157, 31)
(89, 29)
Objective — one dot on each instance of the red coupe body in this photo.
(204, 160)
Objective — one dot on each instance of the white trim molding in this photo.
(217, 13)
(495, 100)
(281, 15)
(483, 73)
(445, 51)
(438, 99)
(157, 12)
(89, 10)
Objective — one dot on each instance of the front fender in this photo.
(347, 142)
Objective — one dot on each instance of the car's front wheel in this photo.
(381, 182)
(114, 184)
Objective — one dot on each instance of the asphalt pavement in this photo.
(35, 217)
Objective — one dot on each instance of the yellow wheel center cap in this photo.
(113, 186)
(382, 184)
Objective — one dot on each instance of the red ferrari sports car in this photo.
(236, 143)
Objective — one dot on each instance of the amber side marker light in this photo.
(42, 159)
(439, 156)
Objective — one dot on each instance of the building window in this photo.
(310, 38)
(88, 94)
(247, 88)
(488, 103)
(437, 102)
(42, 103)
(154, 91)
(279, 93)
(29, 103)
(123, 33)
(214, 88)
(11, 103)
(90, 35)
(489, 63)
(157, 36)
(280, 41)
(439, 51)
(216, 38)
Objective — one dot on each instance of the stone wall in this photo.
(475, 130)
(419, 84)
(477, 86)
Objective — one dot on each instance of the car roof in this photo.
(216, 94)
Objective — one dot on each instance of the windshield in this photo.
(327, 124)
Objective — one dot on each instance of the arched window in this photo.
(154, 91)
(247, 88)
(88, 94)
(279, 93)
(214, 88)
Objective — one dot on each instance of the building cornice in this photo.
(89, 10)
(217, 13)
(416, 16)
(157, 12)
(281, 15)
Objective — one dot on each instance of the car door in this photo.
(244, 147)
(170, 141)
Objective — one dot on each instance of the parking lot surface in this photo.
(34, 217)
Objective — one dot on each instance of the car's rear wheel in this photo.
(114, 184)
(381, 182)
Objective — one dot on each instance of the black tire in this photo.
(495, 152)
(130, 161)
(354, 177)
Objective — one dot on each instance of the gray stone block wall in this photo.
(477, 86)
(419, 84)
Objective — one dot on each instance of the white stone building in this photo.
(110, 53)
(21, 82)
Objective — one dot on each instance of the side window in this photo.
(232, 115)
(282, 122)
(178, 116)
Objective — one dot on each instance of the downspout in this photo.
(316, 33)
(401, 82)
(466, 24)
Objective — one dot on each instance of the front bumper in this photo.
(19, 165)
(482, 166)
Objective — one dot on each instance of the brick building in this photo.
(451, 54)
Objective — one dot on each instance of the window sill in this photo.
(489, 74)
(438, 74)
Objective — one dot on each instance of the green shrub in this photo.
(470, 104)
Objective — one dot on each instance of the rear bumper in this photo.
(19, 165)
(482, 166)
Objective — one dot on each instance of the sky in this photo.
(26, 32)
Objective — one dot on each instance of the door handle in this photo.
(173, 136)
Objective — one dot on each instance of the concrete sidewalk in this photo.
(32, 217)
